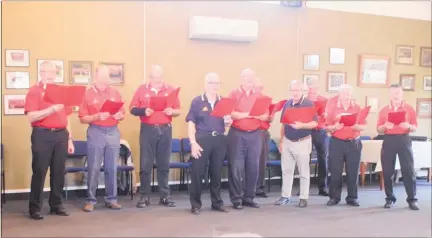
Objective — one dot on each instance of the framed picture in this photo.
(116, 71)
(337, 56)
(373, 71)
(80, 72)
(427, 83)
(424, 106)
(60, 70)
(14, 104)
(404, 54)
(17, 58)
(373, 103)
(17, 80)
(334, 80)
(311, 62)
(407, 81)
(309, 78)
(426, 56)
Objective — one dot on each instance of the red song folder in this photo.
(111, 107)
(66, 95)
(349, 120)
(303, 114)
(172, 97)
(224, 107)
(396, 117)
(363, 114)
(260, 106)
(320, 106)
(158, 103)
(273, 108)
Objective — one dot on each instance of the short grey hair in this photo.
(246, 71)
(298, 83)
(211, 75)
(344, 87)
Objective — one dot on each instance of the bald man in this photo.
(155, 135)
(51, 141)
(103, 138)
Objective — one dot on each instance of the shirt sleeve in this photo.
(31, 101)
(83, 109)
(118, 95)
(176, 104)
(192, 114)
(412, 116)
(382, 117)
(358, 109)
(136, 99)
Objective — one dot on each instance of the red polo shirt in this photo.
(244, 103)
(34, 102)
(345, 133)
(141, 99)
(410, 117)
(93, 101)
(321, 117)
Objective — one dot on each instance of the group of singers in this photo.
(245, 146)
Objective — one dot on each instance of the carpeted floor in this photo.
(318, 220)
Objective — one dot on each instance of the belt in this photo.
(49, 129)
(157, 125)
(301, 139)
(248, 131)
(346, 140)
(213, 133)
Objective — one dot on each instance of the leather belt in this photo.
(301, 139)
(213, 133)
(347, 140)
(49, 129)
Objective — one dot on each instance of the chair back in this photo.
(365, 138)
(186, 147)
(273, 147)
(175, 146)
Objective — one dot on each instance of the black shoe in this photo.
(389, 204)
(332, 202)
(251, 204)
(302, 203)
(282, 201)
(238, 206)
(353, 203)
(413, 206)
(261, 195)
(59, 212)
(323, 192)
(167, 202)
(219, 209)
(36, 216)
(143, 202)
(195, 211)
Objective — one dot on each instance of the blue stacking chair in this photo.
(365, 138)
(3, 192)
(272, 163)
(185, 152)
(79, 153)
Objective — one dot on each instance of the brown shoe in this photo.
(114, 206)
(88, 207)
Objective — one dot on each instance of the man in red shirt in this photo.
(319, 137)
(51, 141)
(155, 135)
(244, 144)
(344, 148)
(397, 142)
(103, 138)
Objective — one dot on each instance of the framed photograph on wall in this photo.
(373, 103)
(407, 81)
(426, 56)
(17, 80)
(116, 71)
(424, 107)
(337, 56)
(14, 104)
(17, 58)
(80, 72)
(334, 80)
(311, 62)
(309, 78)
(373, 71)
(60, 70)
(427, 83)
(404, 54)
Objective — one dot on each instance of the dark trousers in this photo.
(244, 149)
(401, 146)
(318, 140)
(263, 161)
(212, 157)
(155, 145)
(349, 153)
(49, 149)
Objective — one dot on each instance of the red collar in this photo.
(391, 106)
(98, 90)
(247, 92)
(351, 104)
(164, 86)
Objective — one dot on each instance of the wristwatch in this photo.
(192, 142)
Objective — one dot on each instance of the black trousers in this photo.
(318, 140)
(49, 149)
(342, 152)
(212, 158)
(155, 145)
(263, 161)
(401, 146)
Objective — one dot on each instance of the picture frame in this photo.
(407, 82)
(308, 78)
(337, 56)
(404, 54)
(80, 72)
(311, 62)
(60, 69)
(334, 80)
(116, 71)
(17, 58)
(373, 102)
(17, 80)
(426, 57)
(14, 104)
(427, 83)
(424, 107)
(373, 71)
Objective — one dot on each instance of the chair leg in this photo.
(370, 172)
(153, 180)
(131, 187)
(268, 179)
